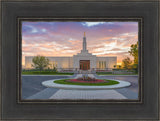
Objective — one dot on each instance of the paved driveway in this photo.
(132, 79)
(33, 89)
(32, 84)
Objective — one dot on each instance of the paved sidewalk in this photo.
(87, 94)
(44, 94)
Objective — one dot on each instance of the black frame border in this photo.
(80, 19)
(11, 110)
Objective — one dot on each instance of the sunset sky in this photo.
(65, 38)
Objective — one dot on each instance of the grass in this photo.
(109, 82)
(60, 73)
(45, 73)
(106, 73)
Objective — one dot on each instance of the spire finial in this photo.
(84, 34)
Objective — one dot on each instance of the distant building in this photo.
(81, 61)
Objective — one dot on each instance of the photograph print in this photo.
(79, 60)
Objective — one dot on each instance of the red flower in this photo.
(86, 81)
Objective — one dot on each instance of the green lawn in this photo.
(44, 73)
(109, 82)
(106, 73)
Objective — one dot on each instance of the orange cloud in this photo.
(66, 40)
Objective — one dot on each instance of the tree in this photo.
(115, 66)
(119, 66)
(134, 52)
(135, 67)
(40, 62)
(127, 63)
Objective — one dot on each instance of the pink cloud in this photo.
(67, 40)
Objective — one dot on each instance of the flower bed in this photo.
(86, 81)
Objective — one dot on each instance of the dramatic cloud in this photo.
(89, 24)
(65, 38)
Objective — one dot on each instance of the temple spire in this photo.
(84, 43)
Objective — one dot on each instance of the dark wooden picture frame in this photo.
(139, 20)
(145, 109)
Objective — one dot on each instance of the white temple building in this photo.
(82, 61)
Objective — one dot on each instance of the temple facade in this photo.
(81, 61)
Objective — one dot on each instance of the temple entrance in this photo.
(84, 64)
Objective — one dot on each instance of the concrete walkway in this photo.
(52, 93)
(89, 94)
(44, 94)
